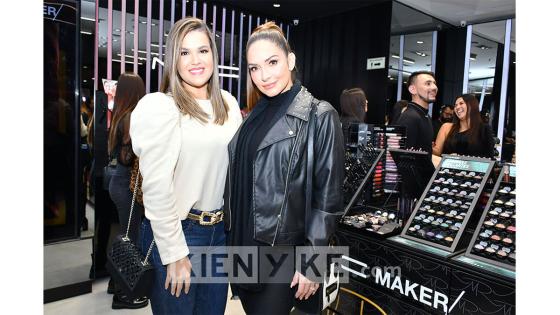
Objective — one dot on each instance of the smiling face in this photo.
(270, 68)
(423, 89)
(195, 64)
(461, 109)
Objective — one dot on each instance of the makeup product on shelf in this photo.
(499, 217)
(449, 201)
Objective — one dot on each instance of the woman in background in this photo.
(467, 134)
(130, 90)
(354, 106)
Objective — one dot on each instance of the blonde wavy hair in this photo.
(172, 82)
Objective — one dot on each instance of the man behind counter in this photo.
(419, 131)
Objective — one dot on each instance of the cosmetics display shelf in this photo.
(387, 178)
(444, 210)
(494, 238)
(360, 161)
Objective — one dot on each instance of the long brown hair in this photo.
(130, 89)
(273, 33)
(475, 122)
(172, 82)
(353, 103)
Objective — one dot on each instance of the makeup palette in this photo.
(373, 219)
(445, 208)
(494, 239)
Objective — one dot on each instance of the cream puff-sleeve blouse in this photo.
(183, 164)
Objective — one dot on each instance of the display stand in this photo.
(445, 209)
(415, 169)
(494, 240)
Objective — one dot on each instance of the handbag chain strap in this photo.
(130, 219)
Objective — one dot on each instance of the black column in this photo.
(450, 65)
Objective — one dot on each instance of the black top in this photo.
(346, 121)
(419, 130)
(265, 114)
(123, 148)
(458, 143)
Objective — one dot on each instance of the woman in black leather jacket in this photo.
(266, 202)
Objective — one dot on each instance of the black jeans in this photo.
(121, 195)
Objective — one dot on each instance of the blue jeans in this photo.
(120, 193)
(203, 298)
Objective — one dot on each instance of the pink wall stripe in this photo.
(148, 46)
(123, 38)
(136, 9)
(96, 48)
(160, 52)
(110, 40)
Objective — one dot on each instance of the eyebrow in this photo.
(266, 60)
(203, 46)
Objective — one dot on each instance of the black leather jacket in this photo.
(279, 177)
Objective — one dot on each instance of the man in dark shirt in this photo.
(445, 116)
(419, 131)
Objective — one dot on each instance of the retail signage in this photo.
(465, 165)
(60, 12)
(375, 63)
(391, 280)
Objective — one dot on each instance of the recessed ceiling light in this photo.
(420, 42)
(276, 5)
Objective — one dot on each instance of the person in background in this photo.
(181, 137)
(354, 106)
(269, 171)
(396, 112)
(130, 90)
(467, 134)
(445, 116)
(419, 131)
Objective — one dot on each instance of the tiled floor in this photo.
(99, 303)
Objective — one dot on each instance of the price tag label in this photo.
(475, 166)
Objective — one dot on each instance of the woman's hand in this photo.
(306, 287)
(179, 274)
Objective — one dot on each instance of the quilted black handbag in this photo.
(132, 272)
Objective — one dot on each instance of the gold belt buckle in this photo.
(214, 218)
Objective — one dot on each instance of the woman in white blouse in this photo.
(180, 136)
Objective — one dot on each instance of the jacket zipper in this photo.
(286, 186)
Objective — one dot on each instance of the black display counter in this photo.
(402, 276)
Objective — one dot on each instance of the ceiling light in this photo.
(143, 22)
(87, 33)
(473, 57)
(83, 99)
(421, 54)
(117, 29)
(276, 5)
(420, 42)
(408, 60)
(87, 19)
(396, 56)
(115, 40)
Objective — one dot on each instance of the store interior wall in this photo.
(332, 53)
